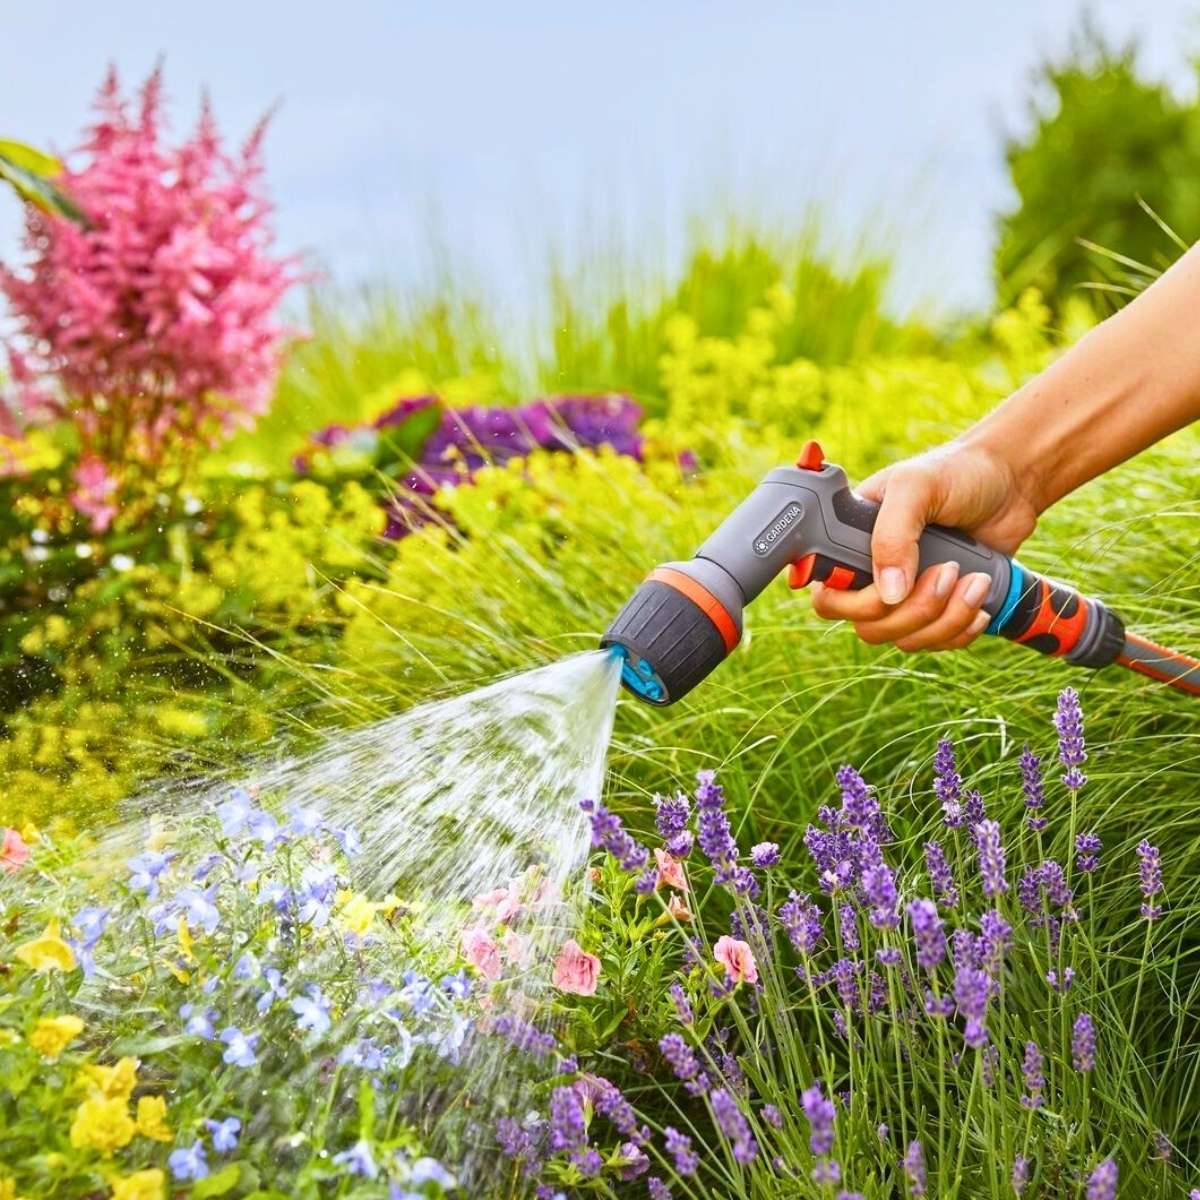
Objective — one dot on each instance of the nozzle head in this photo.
(672, 632)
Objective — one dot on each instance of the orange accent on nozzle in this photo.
(800, 572)
(699, 595)
(812, 457)
(1065, 629)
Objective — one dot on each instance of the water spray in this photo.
(686, 617)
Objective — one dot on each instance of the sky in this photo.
(496, 137)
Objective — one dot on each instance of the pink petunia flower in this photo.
(502, 903)
(670, 870)
(737, 959)
(482, 953)
(515, 947)
(575, 970)
(14, 853)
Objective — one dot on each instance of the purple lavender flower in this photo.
(671, 817)
(1149, 879)
(683, 1007)
(1062, 984)
(1102, 1182)
(1083, 1043)
(1032, 786)
(859, 807)
(947, 783)
(607, 831)
(994, 938)
(848, 927)
(524, 1035)
(610, 1102)
(879, 887)
(972, 987)
(1032, 1070)
(973, 808)
(801, 921)
(914, 1169)
(940, 875)
(568, 1127)
(679, 1055)
(845, 974)
(927, 933)
(966, 949)
(819, 1112)
(1087, 851)
(1029, 890)
(1068, 720)
(991, 858)
(634, 1162)
(713, 831)
(765, 855)
(1054, 883)
(514, 1142)
(1020, 1175)
(772, 1116)
(657, 1189)
(679, 1146)
(733, 1125)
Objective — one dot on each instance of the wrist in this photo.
(1010, 452)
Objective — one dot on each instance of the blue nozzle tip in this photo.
(639, 676)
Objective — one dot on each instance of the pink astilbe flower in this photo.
(154, 322)
(575, 970)
(95, 488)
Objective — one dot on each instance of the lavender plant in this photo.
(898, 1017)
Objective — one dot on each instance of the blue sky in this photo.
(494, 135)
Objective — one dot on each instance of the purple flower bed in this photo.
(429, 446)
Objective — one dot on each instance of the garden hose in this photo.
(686, 617)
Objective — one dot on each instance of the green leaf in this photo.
(30, 172)
(407, 438)
(29, 159)
(219, 1183)
(154, 1045)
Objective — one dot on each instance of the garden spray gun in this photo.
(687, 616)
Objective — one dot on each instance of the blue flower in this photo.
(188, 1162)
(162, 916)
(417, 992)
(358, 1160)
(146, 868)
(278, 895)
(236, 811)
(210, 985)
(305, 821)
(362, 1053)
(90, 922)
(239, 1047)
(274, 990)
(246, 967)
(451, 1041)
(315, 895)
(199, 909)
(312, 1011)
(198, 1022)
(349, 841)
(265, 828)
(429, 1170)
(224, 1133)
(205, 866)
(459, 985)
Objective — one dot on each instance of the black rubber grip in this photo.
(664, 627)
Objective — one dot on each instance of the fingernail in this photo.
(979, 624)
(892, 585)
(944, 581)
(976, 590)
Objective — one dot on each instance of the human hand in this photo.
(964, 485)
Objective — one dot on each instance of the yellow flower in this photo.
(8, 1189)
(102, 1124)
(152, 1118)
(185, 939)
(357, 912)
(113, 1083)
(47, 951)
(51, 1034)
(8, 1037)
(141, 1185)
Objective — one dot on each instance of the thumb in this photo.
(908, 499)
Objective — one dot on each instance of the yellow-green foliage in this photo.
(140, 657)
